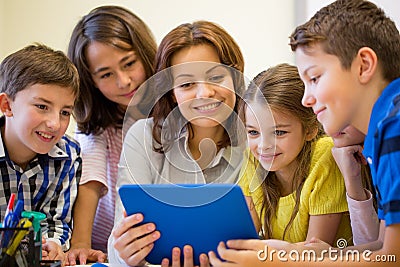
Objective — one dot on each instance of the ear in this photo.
(368, 64)
(311, 133)
(5, 105)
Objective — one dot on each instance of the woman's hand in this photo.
(133, 240)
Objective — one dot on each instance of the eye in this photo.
(106, 75)
(65, 113)
(280, 132)
(130, 63)
(314, 79)
(186, 85)
(40, 106)
(217, 78)
(253, 133)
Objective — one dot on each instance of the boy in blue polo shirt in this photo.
(348, 56)
(41, 165)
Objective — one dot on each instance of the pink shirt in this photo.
(100, 157)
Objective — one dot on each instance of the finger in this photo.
(96, 255)
(187, 256)
(71, 258)
(176, 257)
(83, 255)
(126, 224)
(135, 240)
(165, 263)
(246, 244)
(138, 257)
(204, 261)
(214, 260)
(53, 254)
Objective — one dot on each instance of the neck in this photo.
(363, 114)
(203, 143)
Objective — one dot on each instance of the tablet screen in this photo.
(196, 215)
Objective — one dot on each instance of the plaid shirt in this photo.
(49, 185)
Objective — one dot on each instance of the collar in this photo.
(380, 108)
(232, 155)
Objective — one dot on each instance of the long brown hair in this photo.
(118, 27)
(282, 88)
(187, 35)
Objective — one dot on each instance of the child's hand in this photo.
(188, 258)
(132, 241)
(52, 251)
(349, 160)
(83, 253)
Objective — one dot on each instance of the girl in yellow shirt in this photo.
(293, 186)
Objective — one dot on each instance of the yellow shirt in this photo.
(323, 192)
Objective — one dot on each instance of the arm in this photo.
(324, 227)
(84, 213)
(364, 220)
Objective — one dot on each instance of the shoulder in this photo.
(322, 149)
(140, 128)
(322, 162)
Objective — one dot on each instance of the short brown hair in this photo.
(345, 26)
(37, 64)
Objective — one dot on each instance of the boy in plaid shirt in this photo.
(41, 165)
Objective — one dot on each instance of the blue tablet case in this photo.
(196, 215)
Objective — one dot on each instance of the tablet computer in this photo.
(196, 215)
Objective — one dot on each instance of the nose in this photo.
(53, 121)
(124, 80)
(267, 142)
(308, 99)
(205, 90)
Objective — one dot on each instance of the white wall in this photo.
(260, 27)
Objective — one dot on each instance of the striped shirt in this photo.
(382, 151)
(100, 155)
(48, 185)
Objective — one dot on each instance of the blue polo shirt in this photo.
(382, 151)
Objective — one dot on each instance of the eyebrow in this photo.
(106, 68)
(49, 102)
(207, 72)
(305, 72)
(282, 125)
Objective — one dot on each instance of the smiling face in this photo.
(115, 72)
(36, 119)
(331, 91)
(204, 91)
(275, 138)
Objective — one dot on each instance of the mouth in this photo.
(45, 136)
(131, 93)
(208, 107)
(267, 157)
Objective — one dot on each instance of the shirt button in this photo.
(369, 160)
